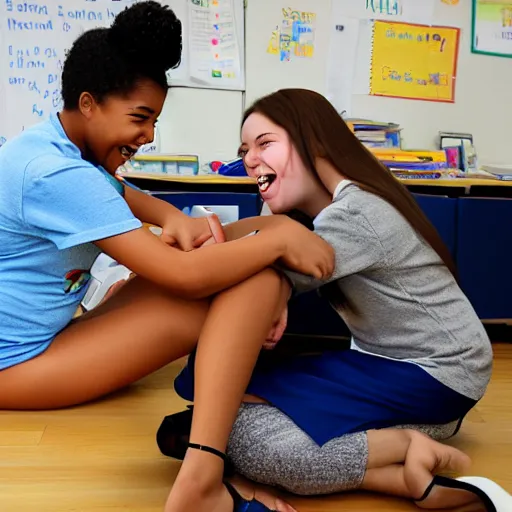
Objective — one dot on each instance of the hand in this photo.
(277, 331)
(189, 233)
(304, 251)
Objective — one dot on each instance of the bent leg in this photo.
(139, 330)
(267, 447)
(234, 332)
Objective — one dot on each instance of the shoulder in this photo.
(375, 210)
(39, 150)
(355, 205)
(346, 216)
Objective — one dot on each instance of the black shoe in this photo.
(173, 436)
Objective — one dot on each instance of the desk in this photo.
(245, 180)
(466, 213)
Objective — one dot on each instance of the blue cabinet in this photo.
(442, 213)
(484, 248)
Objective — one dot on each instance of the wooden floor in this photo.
(103, 457)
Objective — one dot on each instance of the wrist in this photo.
(172, 214)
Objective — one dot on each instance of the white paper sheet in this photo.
(412, 11)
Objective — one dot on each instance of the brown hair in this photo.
(317, 130)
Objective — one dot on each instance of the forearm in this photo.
(231, 262)
(196, 274)
(148, 208)
(243, 227)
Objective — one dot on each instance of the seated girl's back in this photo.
(399, 299)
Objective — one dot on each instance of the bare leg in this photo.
(139, 330)
(238, 322)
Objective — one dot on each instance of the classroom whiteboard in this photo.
(35, 34)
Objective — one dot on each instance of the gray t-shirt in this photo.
(404, 303)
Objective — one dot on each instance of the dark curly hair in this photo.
(144, 42)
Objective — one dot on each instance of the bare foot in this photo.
(220, 500)
(268, 496)
(199, 487)
(188, 498)
(425, 458)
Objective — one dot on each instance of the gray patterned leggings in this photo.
(267, 447)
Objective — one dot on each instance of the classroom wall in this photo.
(482, 102)
(482, 105)
(201, 121)
(207, 122)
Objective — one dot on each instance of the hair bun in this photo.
(149, 34)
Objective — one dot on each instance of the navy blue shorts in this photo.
(341, 392)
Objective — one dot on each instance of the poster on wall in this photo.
(294, 37)
(417, 62)
(413, 11)
(492, 27)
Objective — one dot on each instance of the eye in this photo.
(265, 143)
(139, 118)
(242, 153)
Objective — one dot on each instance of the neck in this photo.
(323, 188)
(318, 200)
(328, 174)
(71, 124)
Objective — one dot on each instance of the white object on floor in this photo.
(104, 273)
(500, 498)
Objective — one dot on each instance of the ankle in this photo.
(201, 469)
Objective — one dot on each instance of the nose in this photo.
(252, 159)
(147, 135)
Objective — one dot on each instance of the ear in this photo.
(86, 104)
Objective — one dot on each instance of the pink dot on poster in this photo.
(215, 42)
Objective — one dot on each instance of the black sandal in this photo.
(493, 497)
(173, 435)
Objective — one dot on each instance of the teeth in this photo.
(265, 180)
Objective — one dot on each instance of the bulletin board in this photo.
(414, 61)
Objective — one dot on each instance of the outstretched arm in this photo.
(243, 227)
(195, 274)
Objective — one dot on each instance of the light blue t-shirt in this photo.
(53, 204)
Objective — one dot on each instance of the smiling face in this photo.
(269, 156)
(119, 125)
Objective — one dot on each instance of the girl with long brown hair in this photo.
(419, 354)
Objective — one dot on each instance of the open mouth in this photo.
(264, 181)
(127, 152)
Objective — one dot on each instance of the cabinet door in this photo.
(247, 205)
(484, 251)
(442, 213)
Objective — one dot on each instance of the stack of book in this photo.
(414, 164)
(375, 134)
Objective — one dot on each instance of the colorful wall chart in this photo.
(414, 61)
(492, 27)
(295, 36)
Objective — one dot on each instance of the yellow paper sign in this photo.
(414, 61)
